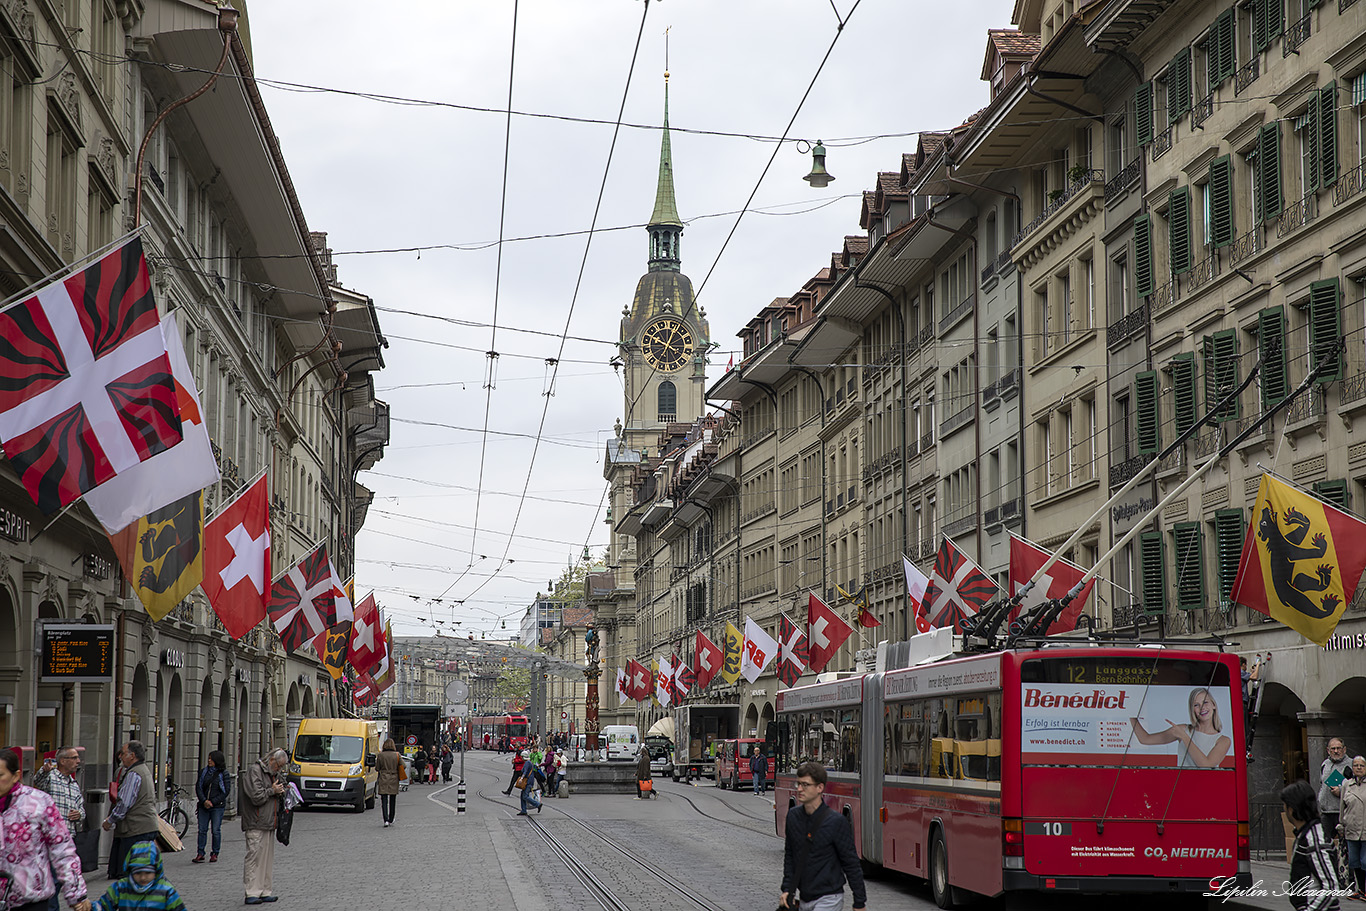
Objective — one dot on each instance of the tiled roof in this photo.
(1011, 42)
(576, 616)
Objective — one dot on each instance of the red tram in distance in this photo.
(482, 732)
(1090, 769)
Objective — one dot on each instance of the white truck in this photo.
(696, 728)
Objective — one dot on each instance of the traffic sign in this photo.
(457, 710)
(412, 740)
(563, 715)
(457, 691)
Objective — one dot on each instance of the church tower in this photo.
(664, 336)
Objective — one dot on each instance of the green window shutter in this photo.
(1335, 492)
(1154, 577)
(1183, 391)
(1311, 138)
(1275, 18)
(1179, 230)
(1226, 37)
(1269, 171)
(1145, 394)
(1143, 255)
(1143, 113)
(1221, 201)
(1328, 134)
(1179, 85)
(1271, 348)
(1259, 35)
(1228, 535)
(1325, 328)
(1221, 371)
(1190, 566)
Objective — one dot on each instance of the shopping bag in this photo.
(647, 785)
(402, 771)
(284, 821)
(87, 848)
(521, 782)
(167, 839)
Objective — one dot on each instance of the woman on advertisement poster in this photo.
(1203, 745)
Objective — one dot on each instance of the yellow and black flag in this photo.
(734, 643)
(162, 554)
(1301, 560)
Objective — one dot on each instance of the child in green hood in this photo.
(145, 888)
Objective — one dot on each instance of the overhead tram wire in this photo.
(578, 284)
(490, 380)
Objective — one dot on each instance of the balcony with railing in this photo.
(1246, 75)
(1056, 203)
(1203, 272)
(960, 310)
(1295, 35)
(1009, 383)
(1123, 470)
(1352, 389)
(1296, 215)
(1163, 296)
(1348, 185)
(1176, 462)
(884, 462)
(1161, 144)
(1246, 246)
(1307, 408)
(758, 435)
(1127, 326)
(1008, 510)
(1120, 183)
(927, 441)
(957, 419)
(1201, 111)
(1207, 443)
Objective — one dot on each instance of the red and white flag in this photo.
(86, 390)
(1025, 560)
(366, 690)
(303, 600)
(664, 683)
(641, 681)
(793, 655)
(958, 587)
(759, 649)
(825, 632)
(621, 685)
(682, 679)
(916, 585)
(708, 660)
(384, 675)
(186, 468)
(237, 559)
(367, 636)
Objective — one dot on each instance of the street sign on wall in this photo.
(457, 710)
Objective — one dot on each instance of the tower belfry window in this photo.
(668, 402)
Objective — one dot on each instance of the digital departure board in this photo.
(1124, 671)
(78, 653)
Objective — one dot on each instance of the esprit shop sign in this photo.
(13, 527)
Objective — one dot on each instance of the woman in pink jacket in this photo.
(34, 841)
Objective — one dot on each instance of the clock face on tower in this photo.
(667, 344)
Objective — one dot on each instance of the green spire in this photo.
(666, 211)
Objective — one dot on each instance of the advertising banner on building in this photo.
(1126, 725)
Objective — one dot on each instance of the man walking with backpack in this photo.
(818, 852)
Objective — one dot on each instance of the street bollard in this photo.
(460, 797)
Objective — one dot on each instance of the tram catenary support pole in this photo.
(989, 622)
(1053, 609)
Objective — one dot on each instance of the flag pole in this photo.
(987, 622)
(1049, 613)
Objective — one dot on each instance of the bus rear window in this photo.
(1126, 711)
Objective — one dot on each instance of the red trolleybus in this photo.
(1065, 768)
(515, 727)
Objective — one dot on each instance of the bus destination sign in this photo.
(78, 653)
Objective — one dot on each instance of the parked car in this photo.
(661, 754)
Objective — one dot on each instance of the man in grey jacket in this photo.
(134, 817)
(258, 801)
(1330, 801)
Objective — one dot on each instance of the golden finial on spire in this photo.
(666, 53)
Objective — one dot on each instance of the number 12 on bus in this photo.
(1088, 769)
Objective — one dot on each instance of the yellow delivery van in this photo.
(334, 761)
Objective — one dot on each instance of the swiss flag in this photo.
(1025, 560)
(640, 682)
(237, 559)
(367, 636)
(708, 659)
(826, 632)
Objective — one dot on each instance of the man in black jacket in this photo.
(819, 853)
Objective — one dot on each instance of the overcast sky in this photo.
(379, 175)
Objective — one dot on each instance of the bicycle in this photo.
(174, 813)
